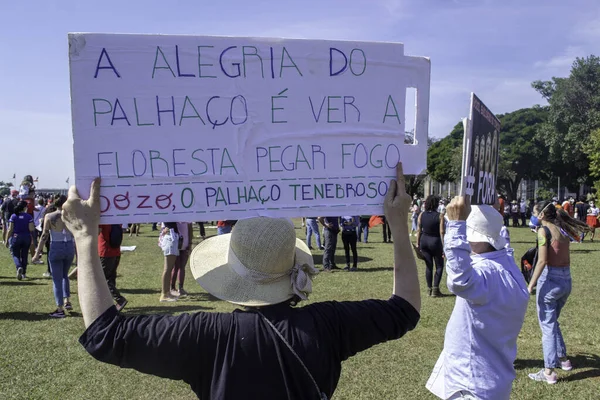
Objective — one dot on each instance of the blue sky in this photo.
(492, 47)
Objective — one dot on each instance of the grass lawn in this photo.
(40, 357)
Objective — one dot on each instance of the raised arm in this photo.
(82, 218)
(42, 241)
(396, 206)
(463, 280)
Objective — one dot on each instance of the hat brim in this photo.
(212, 268)
(473, 236)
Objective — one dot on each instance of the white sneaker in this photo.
(46, 275)
(566, 365)
(542, 377)
(19, 273)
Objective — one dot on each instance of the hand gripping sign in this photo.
(189, 128)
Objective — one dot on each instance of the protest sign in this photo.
(190, 128)
(480, 154)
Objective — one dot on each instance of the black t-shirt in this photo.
(430, 223)
(238, 356)
(581, 210)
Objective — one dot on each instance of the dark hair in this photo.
(432, 202)
(50, 209)
(41, 201)
(20, 207)
(27, 179)
(559, 217)
(60, 201)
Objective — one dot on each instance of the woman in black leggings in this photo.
(430, 234)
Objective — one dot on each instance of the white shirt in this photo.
(480, 344)
(37, 213)
(523, 207)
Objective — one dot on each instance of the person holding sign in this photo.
(269, 350)
(480, 344)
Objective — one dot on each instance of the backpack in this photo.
(529, 259)
(116, 236)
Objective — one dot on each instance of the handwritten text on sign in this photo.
(188, 128)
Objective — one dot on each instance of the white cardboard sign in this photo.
(191, 128)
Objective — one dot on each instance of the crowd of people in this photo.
(259, 263)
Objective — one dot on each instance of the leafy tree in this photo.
(574, 113)
(442, 163)
(593, 149)
(522, 154)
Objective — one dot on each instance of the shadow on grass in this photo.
(339, 260)
(591, 362)
(139, 291)
(24, 316)
(21, 283)
(165, 309)
(582, 251)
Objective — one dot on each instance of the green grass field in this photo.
(40, 357)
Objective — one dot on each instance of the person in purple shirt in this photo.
(267, 350)
(20, 228)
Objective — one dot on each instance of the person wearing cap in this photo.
(480, 344)
(270, 350)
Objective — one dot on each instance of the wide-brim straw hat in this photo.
(260, 263)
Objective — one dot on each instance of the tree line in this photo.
(560, 140)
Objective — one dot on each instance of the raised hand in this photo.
(459, 208)
(397, 202)
(83, 216)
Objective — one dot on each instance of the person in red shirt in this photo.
(110, 257)
(568, 207)
(500, 203)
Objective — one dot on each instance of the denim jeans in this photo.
(312, 226)
(553, 289)
(61, 257)
(19, 248)
(222, 230)
(363, 228)
(414, 227)
(330, 245)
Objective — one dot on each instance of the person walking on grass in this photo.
(331, 228)
(414, 217)
(592, 219)
(480, 344)
(430, 231)
(185, 231)
(110, 238)
(60, 255)
(20, 229)
(363, 229)
(552, 275)
(312, 228)
(269, 349)
(170, 241)
(350, 238)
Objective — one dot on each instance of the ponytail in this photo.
(571, 226)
